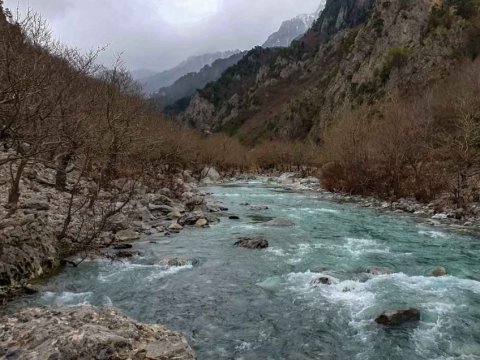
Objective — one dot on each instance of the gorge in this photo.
(313, 200)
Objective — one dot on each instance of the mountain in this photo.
(292, 29)
(356, 53)
(166, 78)
(186, 86)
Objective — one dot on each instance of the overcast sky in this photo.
(158, 34)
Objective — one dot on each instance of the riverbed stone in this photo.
(377, 270)
(122, 246)
(175, 227)
(178, 261)
(127, 235)
(280, 223)
(175, 214)
(438, 272)
(85, 333)
(118, 223)
(398, 317)
(165, 209)
(191, 218)
(258, 207)
(322, 280)
(126, 254)
(201, 222)
(257, 242)
(234, 217)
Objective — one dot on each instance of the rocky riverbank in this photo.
(86, 333)
(36, 240)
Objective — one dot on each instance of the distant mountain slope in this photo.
(139, 74)
(188, 84)
(356, 53)
(166, 78)
(292, 29)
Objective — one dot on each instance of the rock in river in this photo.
(322, 280)
(376, 271)
(126, 254)
(252, 243)
(178, 261)
(398, 317)
(85, 333)
(280, 223)
(438, 272)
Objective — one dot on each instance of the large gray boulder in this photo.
(210, 175)
(191, 218)
(86, 333)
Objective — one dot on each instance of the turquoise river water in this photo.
(244, 304)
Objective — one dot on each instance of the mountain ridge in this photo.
(341, 63)
(292, 29)
(182, 89)
(195, 63)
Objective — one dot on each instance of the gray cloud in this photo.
(158, 34)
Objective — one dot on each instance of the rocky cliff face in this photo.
(357, 52)
(340, 15)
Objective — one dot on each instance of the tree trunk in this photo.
(14, 192)
(61, 175)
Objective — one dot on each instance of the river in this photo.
(259, 304)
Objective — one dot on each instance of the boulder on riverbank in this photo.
(254, 243)
(210, 175)
(398, 317)
(127, 235)
(86, 333)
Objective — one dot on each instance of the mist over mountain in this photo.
(292, 29)
(152, 84)
(140, 74)
(183, 88)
